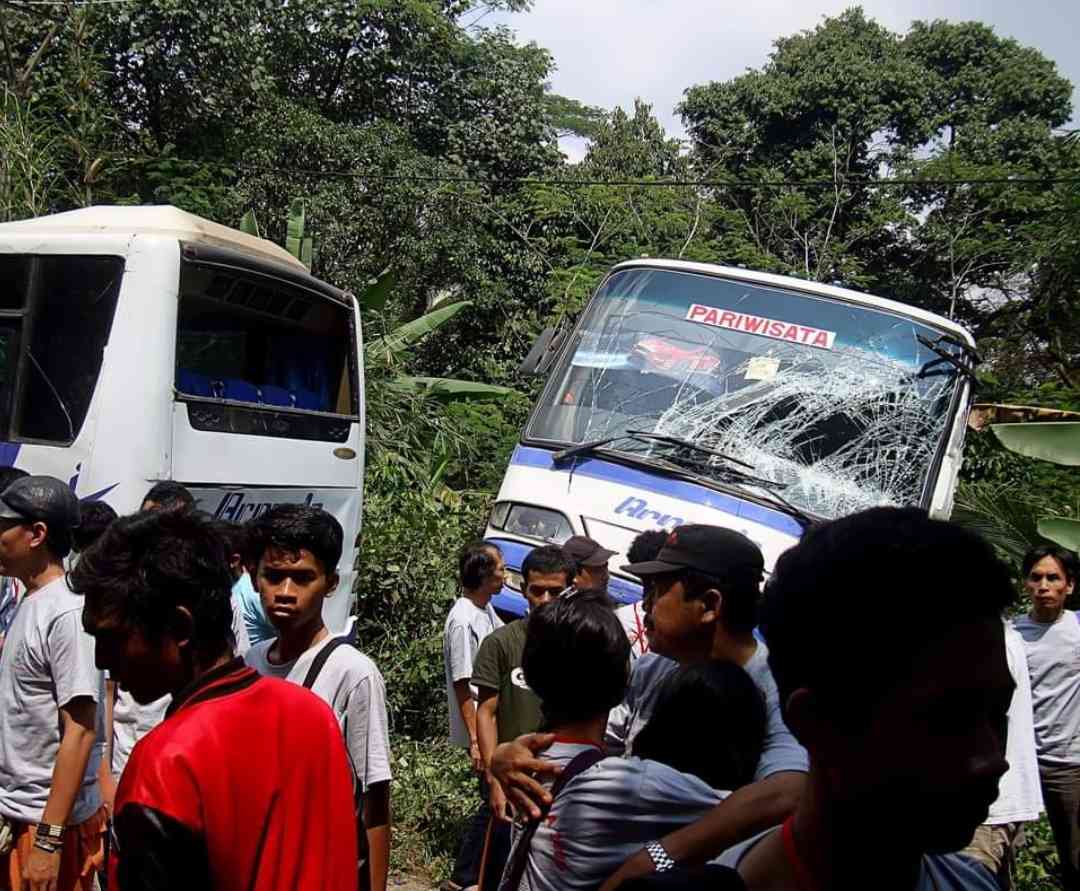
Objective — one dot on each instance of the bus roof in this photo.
(809, 287)
(152, 220)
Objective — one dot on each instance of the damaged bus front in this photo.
(691, 393)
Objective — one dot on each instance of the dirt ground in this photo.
(408, 883)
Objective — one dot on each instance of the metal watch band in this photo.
(50, 832)
(661, 858)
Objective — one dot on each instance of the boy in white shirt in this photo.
(299, 550)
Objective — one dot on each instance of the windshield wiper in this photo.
(586, 447)
(687, 444)
(964, 363)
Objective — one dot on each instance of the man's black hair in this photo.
(9, 474)
(290, 527)
(94, 518)
(646, 546)
(837, 613)
(546, 560)
(235, 536)
(1065, 558)
(576, 658)
(146, 565)
(475, 563)
(170, 495)
(725, 756)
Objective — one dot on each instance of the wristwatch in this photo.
(50, 832)
(661, 858)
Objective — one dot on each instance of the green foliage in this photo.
(1037, 860)
(435, 792)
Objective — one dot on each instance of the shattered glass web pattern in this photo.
(842, 434)
(896, 432)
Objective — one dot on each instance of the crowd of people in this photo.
(717, 735)
(174, 712)
(155, 729)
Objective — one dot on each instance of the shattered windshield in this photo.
(840, 404)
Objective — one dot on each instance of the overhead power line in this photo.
(659, 183)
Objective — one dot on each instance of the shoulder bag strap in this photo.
(320, 660)
(519, 858)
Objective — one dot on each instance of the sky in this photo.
(610, 51)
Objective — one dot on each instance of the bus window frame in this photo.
(244, 265)
(26, 320)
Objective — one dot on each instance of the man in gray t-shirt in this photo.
(1051, 637)
(51, 693)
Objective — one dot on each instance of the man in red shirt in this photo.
(246, 783)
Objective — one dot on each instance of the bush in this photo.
(434, 793)
(1037, 860)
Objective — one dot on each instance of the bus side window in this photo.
(54, 326)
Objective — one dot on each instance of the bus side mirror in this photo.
(543, 351)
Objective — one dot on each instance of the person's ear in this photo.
(37, 533)
(332, 583)
(1069, 586)
(182, 627)
(813, 728)
(711, 601)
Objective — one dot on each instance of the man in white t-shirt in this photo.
(51, 700)
(299, 550)
(471, 619)
(1019, 798)
(1051, 637)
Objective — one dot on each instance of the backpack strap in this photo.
(320, 659)
(519, 857)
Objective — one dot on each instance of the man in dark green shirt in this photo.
(506, 706)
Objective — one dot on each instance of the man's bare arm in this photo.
(487, 728)
(77, 720)
(744, 813)
(467, 707)
(377, 827)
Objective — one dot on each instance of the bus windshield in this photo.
(838, 406)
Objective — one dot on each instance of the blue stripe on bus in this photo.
(9, 451)
(528, 456)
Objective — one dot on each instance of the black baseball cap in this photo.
(43, 499)
(586, 552)
(709, 549)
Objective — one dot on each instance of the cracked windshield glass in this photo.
(836, 407)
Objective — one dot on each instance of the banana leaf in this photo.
(1048, 441)
(1064, 531)
(448, 389)
(375, 295)
(249, 224)
(409, 333)
(294, 239)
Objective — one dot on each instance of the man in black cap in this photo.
(590, 562)
(51, 699)
(706, 587)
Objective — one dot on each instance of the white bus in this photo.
(693, 393)
(140, 344)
